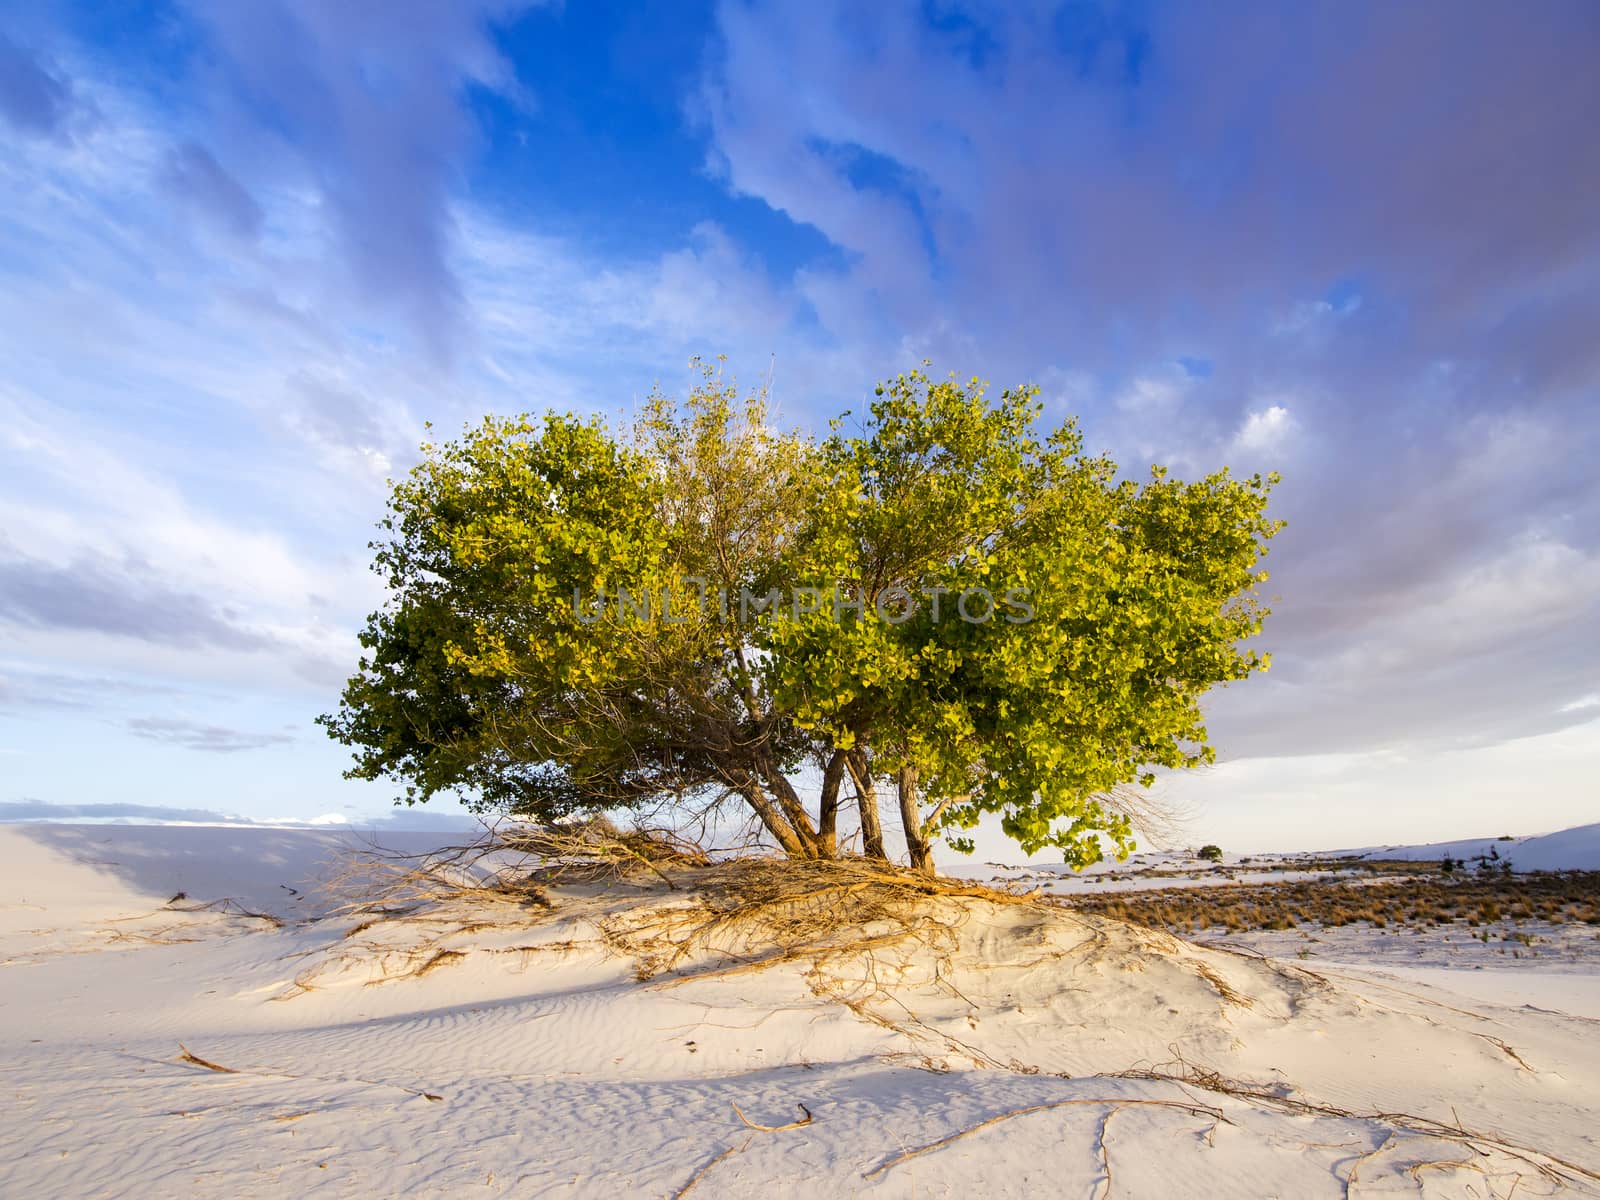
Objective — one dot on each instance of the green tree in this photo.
(935, 601)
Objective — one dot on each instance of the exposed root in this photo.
(805, 1120)
(1556, 1170)
(1199, 1110)
(1370, 1155)
(750, 914)
(1105, 1150)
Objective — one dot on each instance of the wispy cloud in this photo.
(121, 600)
(368, 101)
(192, 735)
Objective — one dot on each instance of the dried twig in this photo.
(1105, 1150)
(806, 1120)
(1355, 1167)
(701, 1173)
(187, 1057)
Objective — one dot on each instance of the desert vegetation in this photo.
(938, 606)
(1384, 895)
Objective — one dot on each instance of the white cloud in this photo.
(1264, 429)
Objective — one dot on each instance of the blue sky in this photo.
(246, 251)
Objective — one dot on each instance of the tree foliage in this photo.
(934, 602)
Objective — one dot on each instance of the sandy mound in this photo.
(799, 1034)
(954, 977)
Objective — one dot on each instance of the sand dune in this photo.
(1576, 849)
(491, 1049)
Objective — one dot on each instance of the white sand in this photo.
(1576, 993)
(531, 1062)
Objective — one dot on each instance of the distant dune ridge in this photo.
(1575, 849)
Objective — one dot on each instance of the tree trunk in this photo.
(867, 803)
(828, 815)
(789, 841)
(794, 810)
(916, 841)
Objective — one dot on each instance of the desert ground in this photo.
(240, 1012)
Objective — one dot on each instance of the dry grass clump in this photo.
(511, 864)
(751, 913)
(1475, 899)
(594, 849)
(385, 885)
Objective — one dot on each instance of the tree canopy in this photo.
(934, 602)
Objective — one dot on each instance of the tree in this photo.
(935, 602)
(1210, 853)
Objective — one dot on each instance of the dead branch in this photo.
(186, 1056)
(805, 1120)
(702, 1172)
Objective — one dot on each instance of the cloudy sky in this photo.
(246, 251)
